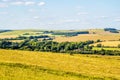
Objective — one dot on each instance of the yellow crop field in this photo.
(85, 37)
(27, 65)
(108, 43)
(8, 36)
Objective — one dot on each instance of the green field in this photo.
(26, 65)
(97, 48)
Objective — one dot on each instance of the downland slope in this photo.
(94, 34)
(27, 65)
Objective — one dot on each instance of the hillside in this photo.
(26, 65)
(94, 34)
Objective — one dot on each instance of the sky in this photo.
(59, 14)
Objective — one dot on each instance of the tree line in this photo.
(52, 46)
(69, 34)
(28, 37)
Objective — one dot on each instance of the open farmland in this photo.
(59, 39)
(108, 43)
(85, 37)
(26, 65)
(16, 33)
(95, 34)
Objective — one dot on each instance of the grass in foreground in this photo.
(17, 71)
(26, 65)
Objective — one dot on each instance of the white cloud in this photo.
(5, 0)
(82, 13)
(70, 20)
(79, 7)
(36, 17)
(31, 10)
(117, 20)
(103, 16)
(3, 12)
(29, 3)
(17, 3)
(41, 3)
(20, 3)
(2, 5)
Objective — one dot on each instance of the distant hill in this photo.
(112, 30)
(1, 31)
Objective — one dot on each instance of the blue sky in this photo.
(59, 14)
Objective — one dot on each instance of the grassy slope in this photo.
(16, 33)
(26, 65)
(99, 34)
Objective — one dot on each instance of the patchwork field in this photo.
(26, 65)
(95, 34)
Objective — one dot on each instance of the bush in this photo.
(99, 45)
